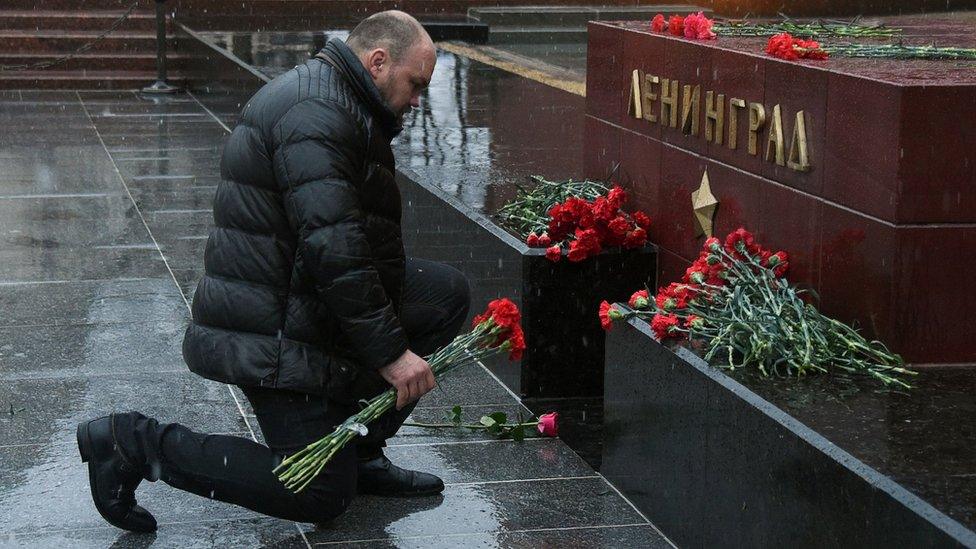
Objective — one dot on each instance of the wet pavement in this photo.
(104, 211)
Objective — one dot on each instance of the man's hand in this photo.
(411, 376)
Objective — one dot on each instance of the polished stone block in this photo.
(713, 463)
(886, 206)
(560, 361)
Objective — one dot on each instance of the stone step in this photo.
(571, 16)
(65, 41)
(75, 5)
(536, 35)
(98, 61)
(97, 20)
(81, 79)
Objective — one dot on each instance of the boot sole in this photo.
(85, 447)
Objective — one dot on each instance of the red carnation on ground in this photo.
(658, 24)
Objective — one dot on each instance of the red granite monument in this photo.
(864, 170)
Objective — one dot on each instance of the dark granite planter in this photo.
(715, 465)
(559, 301)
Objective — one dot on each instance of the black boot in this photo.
(112, 474)
(379, 477)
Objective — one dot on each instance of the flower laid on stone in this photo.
(808, 29)
(496, 424)
(785, 46)
(496, 330)
(694, 25)
(582, 217)
(736, 301)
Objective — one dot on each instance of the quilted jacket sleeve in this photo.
(318, 160)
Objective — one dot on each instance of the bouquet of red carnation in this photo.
(496, 330)
(736, 300)
(581, 217)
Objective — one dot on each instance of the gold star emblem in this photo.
(704, 203)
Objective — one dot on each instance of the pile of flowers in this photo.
(694, 25)
(736, 301)
(498, 329)
(583, 218)
(785, 46)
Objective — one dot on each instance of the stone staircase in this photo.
(559, 24)
(35, 31)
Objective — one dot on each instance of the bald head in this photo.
(394, 31)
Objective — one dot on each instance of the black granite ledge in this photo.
(714, 464)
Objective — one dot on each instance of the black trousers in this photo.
(238, 470)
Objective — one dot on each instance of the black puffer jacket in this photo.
(305, 267)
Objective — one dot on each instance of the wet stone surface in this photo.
(94, 294)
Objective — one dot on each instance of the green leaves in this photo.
(494, 423)
(529, 211)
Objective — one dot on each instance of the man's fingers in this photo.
(431, 381)
(403, 395)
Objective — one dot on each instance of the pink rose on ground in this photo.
(548, 426)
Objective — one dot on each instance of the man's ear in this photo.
(377, 61)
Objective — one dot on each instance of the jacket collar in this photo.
(338, 54)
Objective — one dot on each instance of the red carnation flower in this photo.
(712, 244)
(779, 262)
(617, 196)
(741, 241)
(607, 315)
(619, 226)
(516, 343)
(641, 219)
(657, 24)
(544, 240)
(784, 46)
(665, 326)
(532, 240)
(676, 25)
(554, 253)
(636, 238)
(502, 311)
(698, 27)
(638, 300)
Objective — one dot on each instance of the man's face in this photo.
(403, 80)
